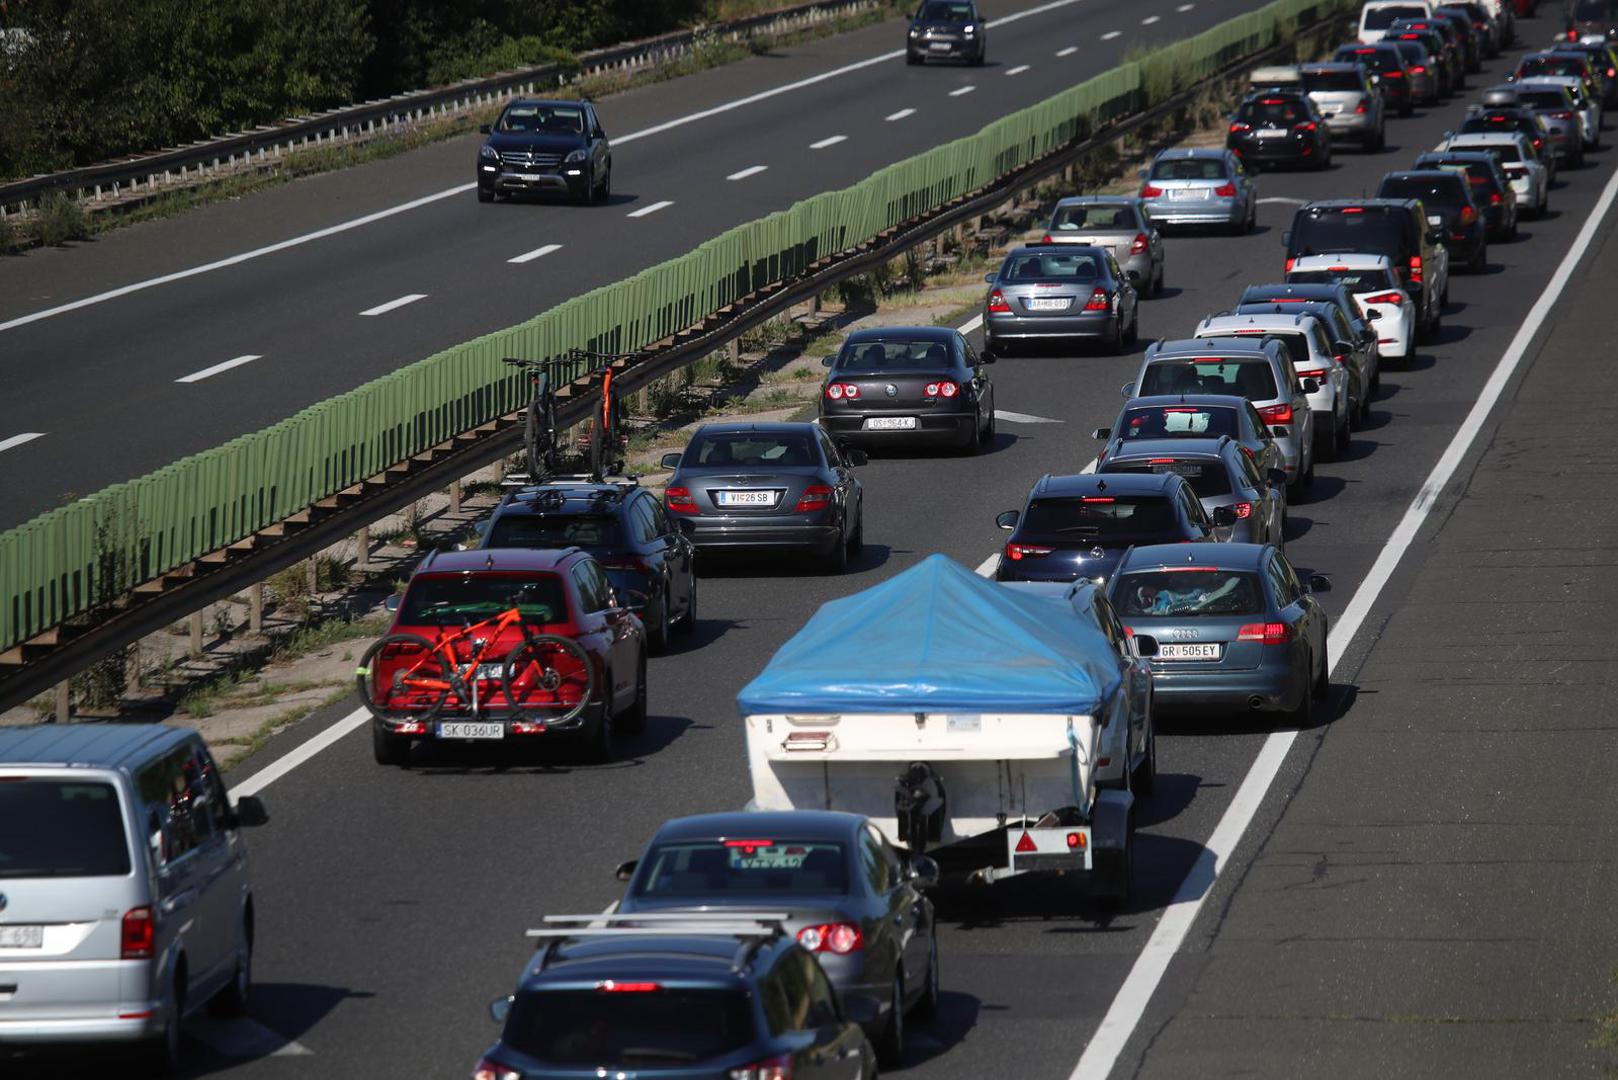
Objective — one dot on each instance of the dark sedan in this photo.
(850, 896)
(908, 385)
(1491, 188)
(947, 30)
(1389, 70)
(756, 487)
(545, 148)
(1054, 292)
(1273, 128)
(1222, 476)
(1194, 416)
(1078, 527)
(1237, 630)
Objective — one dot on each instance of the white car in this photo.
(1377, 15)
(1588, 108)
(1528, 175)
(1311, 350)
(1377, 291)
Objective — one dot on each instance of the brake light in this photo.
(1248, 450)
(1385, 298)
(1097, 499)
(1468, 215)
(679, 501)
(136, 934)
(814, 497)
(1419, 69)
(1226, 191)
(1564, 115)
(1147, 191)
(1098, 300)
(944, 389)
(1362, 107)
(1276, 414)
(1243, 510)
(775, 1068)
(611, 986)
(749, 846)
(1269, 633)
(1353, 210)
(1415, 269)
(1076, 841)
(1395, 73)
(842, 391)
(1240, 127)
(1312, 373)
(1139, 246)
(1018, 552)
(1289, 265)
(1494, 198)
(490, 1069)
(997, 303)
(1046, 239)
(1160, 461)
(1307, 125)
(841, 938)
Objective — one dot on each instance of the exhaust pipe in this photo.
(1255, 703)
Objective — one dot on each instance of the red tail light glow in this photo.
(944, 389)
(1147, 191)
(1363, 107)
(1225, 191)
(814, 497)
(997, 303)
(679, 501)
(1018, 552)
(1468, 215)
(841, 938)
(1097, 499)
(1385, 298)
(1419, 69)
(1046, 239)
(1238, 127)
(1244, 510)
(1269, 633)
(1307, 125)
(490, 1069)
(1099, 300)
(1289, 265)
(612, 987)
(1139, 246)
(1494, 198)
(136, 934)
(1313, 373)
(1415, 269)
(1276, 414)
(775, 1068)
(842, 391)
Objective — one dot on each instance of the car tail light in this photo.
(679, 501)
(997, 303)
(1313, 373)
(1248, 450)
(1139, 246)
(1076, 841)
(814, 497)
(1147, 191)
(1494, 198)
(1098, 300)
(490, 1069)
(1097, 499)
(944, 389)
(842, 391)
(1419, 69)
(1269, 633)
(1385, 298)
(1239, 127)
(1562, 115)
(1225, 191)
(1415, 269)
(1018, 552)
(136, 934)
(1307, 125)
(1468, 215)
(1276, 414)
(1046, 239)
(1363, 106)
(612, 986)
(1395, 73)
(1244, 510)
(775, 1068)
(841, 938)
(1289, 265)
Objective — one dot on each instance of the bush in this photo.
(60, 219)
(101, 685)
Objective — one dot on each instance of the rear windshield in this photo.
(1178, 422)
(1474, 124)
(452, 599)
(1595, 10)
(1357, 280)
(1332, 81)
(1297, 345)
(1414, 52)
(1532, 66)
(1376, 231)
(1382, 18)
(1543, 99)
(550, 531)
(1097, 217)
(1189, 169)
(1502, 151)
(1050, 266)
(1434, 193)
(595, 1028)
(1373, 58)
(1272, 112)
(1208, 477)
(893, 355)
(1189, 592)
(61, 828)
(760, 867)
(1251, 379)
(1099, 516)
(1478, 174)
(753, 449)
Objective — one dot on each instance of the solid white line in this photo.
(1150, 19)
(208, 372)
(962, 90)
(652, 209)
(751, 170)
(293, 758)
(971, 324)
(537, 253)
(393, 305)
(1019, 69)
(1110, 34)
(1024, 418)
(986, 567)
(1088, 468)
(1136, 993)
(1183, 8)
(18, 440)
(1069, 51)
(823, 143)
(900, 115)
(1271, 199)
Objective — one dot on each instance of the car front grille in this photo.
(526, 160)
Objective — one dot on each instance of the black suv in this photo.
(947, 30)
(649, 561)
(1279, 127)
(1397, 228)
(545, 148)
(711, 998)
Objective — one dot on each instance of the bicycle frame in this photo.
(444, 648)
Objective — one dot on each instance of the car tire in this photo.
(981, 58)
(890, 1045)
(633, 722)
(1406, 111)
(1322, 684)
(1343, 434)
(926, 1007)
(856, 541)
(1120, 876)
(232, 999)
(389, 749)
(595, 742)
(912, 59)
(989, 431)
(1158, 284)
(1115, 340)
(1330, 449)
(688, 621)
(973, 442)
(606, 185)
(1133, 337)
(657, 637)
(485, 196)
(1302, 716)
(837, 558)
(160, 1056)
(1143, 781)
(1479, 262)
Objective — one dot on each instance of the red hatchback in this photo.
(504, 645)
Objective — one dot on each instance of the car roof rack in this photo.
(750, 928)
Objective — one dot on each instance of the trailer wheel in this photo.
(1117, 872)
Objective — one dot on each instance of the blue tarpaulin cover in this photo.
(939, 638)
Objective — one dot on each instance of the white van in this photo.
(1377, 15)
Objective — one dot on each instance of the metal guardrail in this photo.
(199, 161)
(222, 573)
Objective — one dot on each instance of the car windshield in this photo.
(1189, 169)
(1050, 267)
(1099, 516)
(1297, 345)
(1435, 193)
(751, 449)
(542, 120)
(1357, 280)
(1501, 152)
(1414, 52)
(1193, 591)
(652, 1026)
(891, 354)
(1332, 81)
(757, 867)
(1208, 477)
(1251, 379)
(1094, 217)
(451, 599)
(1476, 173)
(1178, 422)
(1371, 230)
(1383, 17)
(552, 531)
(61, 828)
(941, 11)
(1272, 112)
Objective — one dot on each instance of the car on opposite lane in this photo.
(545, 148)
(850, 897)
(1194, 416)
(1059, 292)
(908, 385)
(1195, 187)
(1221, 475)
(1119, 222)
(1277, 128)
(1375, 287)
(760, 487)
(947, 30)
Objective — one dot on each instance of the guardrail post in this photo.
(362, 548)
(64, 701)
(455, 498)
(196, 633)
(255, 608)
(313, 568)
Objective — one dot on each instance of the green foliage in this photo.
(59, 220)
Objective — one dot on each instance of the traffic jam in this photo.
(895, 761)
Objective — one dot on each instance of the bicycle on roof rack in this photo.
(602, 445)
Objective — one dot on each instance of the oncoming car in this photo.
(545, 148)
(947, 30)
(907, 385)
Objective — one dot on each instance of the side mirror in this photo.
(1224, 516)
(1286, 238)
(250, 812)
(923, 871)
(1310, 386)
(1102, 433)
(1319, 583)
(1141, 173)
(485, 128)
(1277, 478)
(1435, 238)
(626, 870)
(827, 361)
(500, 1008)
(1143, 646)
(1341, 348)
(671, 460)
(1127, 390)
(1008, 519)
(988, 279)
(392, 602)
(855, 457)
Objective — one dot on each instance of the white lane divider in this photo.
(210, 372)
(1150, 19)
(962, 90)
(1019, 69)
(751, 170)
(652, 209)
(1286, 199)
(1125, 1013)
(1069, 51)
(1183, 8)
(537, 253)
(1110, 34)
(302, 753)
(18, 440)
(987, 567)
(832, 141)
(900, 115)
(1024, 418)
(394, 305)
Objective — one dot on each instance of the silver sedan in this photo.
(1118, 222)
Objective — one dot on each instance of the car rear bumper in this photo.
(731, 536)
(930, 428)
(1273, 686)
(1393, 337)
(1195, 212)
(1029, 328)
(1275, 152)
(1350, 125)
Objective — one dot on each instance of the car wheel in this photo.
(1115, 340)
(1144, 780)
(1322, 685)
(1157, 283)
(837, 558)
(988, 435)
(688, 621)
(595, 742)
(981, 57)
(927, 1007)
(1342, 433)
(974, 439)
(1303, 715)
(634, 721)
(387, 748)
(485, 196)
(606, 185)
(232, 999)
(657, 637)
(1120, 881)
(161, 1055)
(912, 59)
(1133, 337)
(1330, 448)
(890, 1045)
(856, 542)
(1479, 261)
(1406, 111)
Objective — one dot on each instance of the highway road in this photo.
(193, 321)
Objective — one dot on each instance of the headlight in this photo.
(969, 29)
(577, 155)
(488, 153)
(915, 31)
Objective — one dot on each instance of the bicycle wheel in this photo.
(548, 678)
(403, 677)
(539, 438)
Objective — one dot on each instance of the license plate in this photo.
(1435, 219)
(1050, 849)
(1180, 194)
(488, 672)
(890, 423)
(1047, 303)
(1200, 651)
(1271, 133)
(462, 729)
(938, 46)
(1331, 110)
(530, 178)
(22, 937)
(746, 498)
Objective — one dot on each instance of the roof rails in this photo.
(750, 928)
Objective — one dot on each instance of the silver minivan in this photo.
(125, 899)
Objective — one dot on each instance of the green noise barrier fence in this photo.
(75, 558)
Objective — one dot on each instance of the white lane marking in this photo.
(751, 170)
(1019, 69)
(244, 1038)
(1089, 468)
(986, 567)
(1136, 993)
(1183, 8)
(971, 324)
(18, 440)
(652, 209)
(1110, 34)
(962, 90)
(1024, 418)
(209, 372)
(823, 143)
(900, 115)
(394, 305)
(537, 253)
(1271, 200)
(1069, 51)
(302, 753)
(1150, 19)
